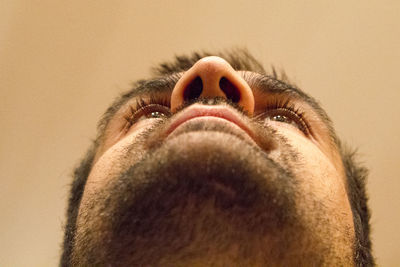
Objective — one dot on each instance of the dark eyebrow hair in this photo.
(163, 84)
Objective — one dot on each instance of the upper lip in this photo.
(198, 110)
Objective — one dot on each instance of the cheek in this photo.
(320, 180)
(115, 160)
(327, 172)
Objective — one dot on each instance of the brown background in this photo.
(62, 64)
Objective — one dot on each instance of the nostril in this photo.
(230, 90)
(194, 89)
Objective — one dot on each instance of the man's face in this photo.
(213, 166)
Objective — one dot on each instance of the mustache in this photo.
(212, 101)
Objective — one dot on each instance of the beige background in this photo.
(62, 64)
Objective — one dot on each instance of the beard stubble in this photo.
(205, 199)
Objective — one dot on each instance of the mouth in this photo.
(212, 115)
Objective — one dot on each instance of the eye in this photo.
(148, 111)
(286, 115)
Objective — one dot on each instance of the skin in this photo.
(310, 223)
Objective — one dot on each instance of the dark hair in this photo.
(240, 59)
(356, 175)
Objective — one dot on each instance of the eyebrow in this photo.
(267, 84)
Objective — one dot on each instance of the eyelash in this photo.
(142, 104)
(277, 105)
(294, 113)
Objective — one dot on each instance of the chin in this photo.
(200, 195)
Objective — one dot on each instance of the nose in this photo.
(212, 77)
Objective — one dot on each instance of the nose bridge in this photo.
(212, 77)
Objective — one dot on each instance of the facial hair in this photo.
(204, 197)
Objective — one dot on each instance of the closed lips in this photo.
(198, 111)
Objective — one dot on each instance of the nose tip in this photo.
(212, 77)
